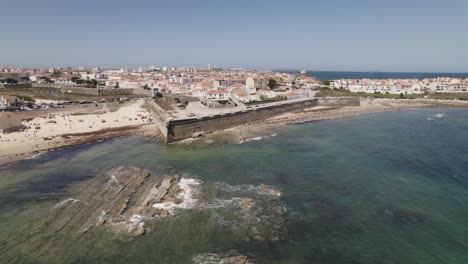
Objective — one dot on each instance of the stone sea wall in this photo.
(339, 101)
(15, 85)
(187, 128)
(159, 117)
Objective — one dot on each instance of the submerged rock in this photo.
(231, 257)
(252, 212)
(401, 217)
(127, 197)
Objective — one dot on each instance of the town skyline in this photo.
(214, 67)
(394, 36)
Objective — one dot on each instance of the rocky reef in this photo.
(123, 199)
(104, 212)
(127, 198)
(251, 212)
(230, 257)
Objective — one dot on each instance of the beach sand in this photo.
(56, 130)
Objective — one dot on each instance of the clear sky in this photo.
(355, 35)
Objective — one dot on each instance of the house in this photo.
(256, 83)
(220, 94)
(131, 84)
(66, 79)
(267, 94)
(7, 101)
(241, 95)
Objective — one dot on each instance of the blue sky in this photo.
(355, 35)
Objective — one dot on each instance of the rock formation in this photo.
(123, 201)
(230, 257)
(252, 212)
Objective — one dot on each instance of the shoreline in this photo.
(236, 135)
(256, 130)
(73, 140)
(52, 131)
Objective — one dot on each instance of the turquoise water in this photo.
(380, 188)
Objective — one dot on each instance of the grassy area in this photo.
(341, 92)
(449, 96)
(27, 98)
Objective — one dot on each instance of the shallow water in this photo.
(379, 188)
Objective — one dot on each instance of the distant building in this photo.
(220, 94)
(131, 84)
(303, 73)
(256, 83)
(7, 101)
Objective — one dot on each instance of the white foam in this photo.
(440, 115)
(64, 202)
(188, 191)
(114, 179)
(34, 156)
(223, 203)
(257, 138)
(136, 218)
(269, 190)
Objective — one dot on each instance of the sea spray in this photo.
(189, 189)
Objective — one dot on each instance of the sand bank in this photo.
(56, 130)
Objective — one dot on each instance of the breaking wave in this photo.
(64, 202)
(261, 189)
(256, 138)
(189, 188)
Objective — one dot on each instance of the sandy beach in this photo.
(60, 129)
(55, 130)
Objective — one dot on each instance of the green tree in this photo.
(46, 79)
(25, 79)
(74, 79)
(27, 98)
(272, 83)
(57, 74)
(326, 82)
(402, 96)
(10, 80)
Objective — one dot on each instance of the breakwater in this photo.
(175, 130)
(339, 101)
(178, 129)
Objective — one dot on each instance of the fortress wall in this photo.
(187, 128)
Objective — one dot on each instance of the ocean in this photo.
(386, 187)
(334, 75)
